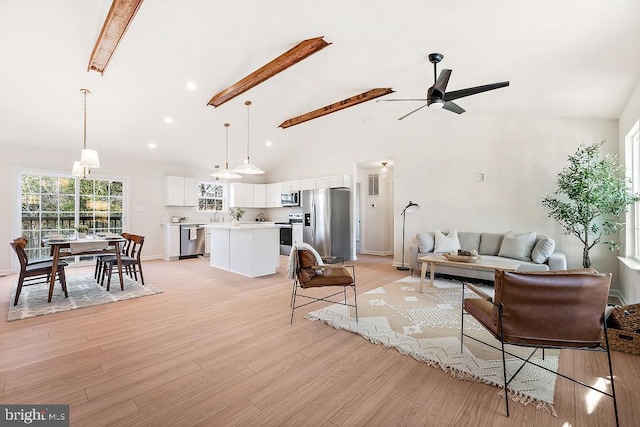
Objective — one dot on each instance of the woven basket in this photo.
(626, 318)
(624, 341)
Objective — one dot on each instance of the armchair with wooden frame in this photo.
(553, 310)
(308, 274)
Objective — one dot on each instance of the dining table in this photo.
(63, 247)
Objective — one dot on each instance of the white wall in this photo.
(435, 157)
(629, 278)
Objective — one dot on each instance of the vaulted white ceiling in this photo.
(572, 58)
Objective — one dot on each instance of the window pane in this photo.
(116, 204)
(30, 184)
(49, 184)
(116, 188)
(101, 188)
(49, 202)
(68, 186)
(86, 186)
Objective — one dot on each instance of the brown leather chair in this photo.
(310, 275)
(555, 309)
(36, 272)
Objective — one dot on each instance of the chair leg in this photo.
(293, 300)
(355, 300)
(109, 275)
(19, 289)
(504, 373)
(96, 273)
(63, 281)
(613, 389)
(140, 270)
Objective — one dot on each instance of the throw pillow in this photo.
(448, 243)
(542, 250)
(517, 246)
(425, 242)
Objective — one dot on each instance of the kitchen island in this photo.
(247, 248)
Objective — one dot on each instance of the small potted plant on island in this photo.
(236, 214)
(82, 230)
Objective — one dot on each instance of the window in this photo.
(211, 196)
(56, 204)
(632, 143)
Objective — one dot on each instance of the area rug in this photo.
(83, 291)
(427, 327)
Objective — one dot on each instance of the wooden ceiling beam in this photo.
(291, 57)
(337, 106)
(115, 25)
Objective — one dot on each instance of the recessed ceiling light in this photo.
(168, 120)
(151, 145)
(268, 143)
(191, 85)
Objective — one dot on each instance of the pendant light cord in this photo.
(84, 91)
(248, 103)
(226, 156)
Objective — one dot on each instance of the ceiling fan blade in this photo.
(401, 99)
(452, 106)
(441, 83)
(410, 113)
(456, 94)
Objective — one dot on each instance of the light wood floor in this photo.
(217, 349)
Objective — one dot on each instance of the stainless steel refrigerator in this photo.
(327, 221)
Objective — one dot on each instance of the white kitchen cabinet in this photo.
(171, 247)
(290, 186)
(336, 181)
(274, 192)
(180, 191)
(307, 184)
(241, 195)
(207, 241)
(296, 234)
(249, 249)
(259, 196)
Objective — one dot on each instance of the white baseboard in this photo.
(379, 253)
(5, 272)
(617, 294)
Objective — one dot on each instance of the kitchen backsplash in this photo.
(271, 215)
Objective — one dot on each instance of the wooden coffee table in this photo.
(481, 264)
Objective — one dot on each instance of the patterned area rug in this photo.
(427, 327)
(83, 291)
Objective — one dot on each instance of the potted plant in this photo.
(595, 193)
(82, 230)
(236, 214)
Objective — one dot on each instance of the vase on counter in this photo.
(236, 222)
(82, 235)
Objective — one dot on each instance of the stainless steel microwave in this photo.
(290, 198)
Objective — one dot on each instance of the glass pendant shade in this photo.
(89, 158)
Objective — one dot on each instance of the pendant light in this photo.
(247, 168)
(88, 158)
(226, 173)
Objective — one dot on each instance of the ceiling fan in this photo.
(438, 97)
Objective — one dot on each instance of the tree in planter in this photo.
(596, 193)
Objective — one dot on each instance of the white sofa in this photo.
(489, 246)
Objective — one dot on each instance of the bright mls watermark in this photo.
(37, 415)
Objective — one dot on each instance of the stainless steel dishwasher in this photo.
(192, 238)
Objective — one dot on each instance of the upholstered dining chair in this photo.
(552, 309)
(132, 262)
(32, 273)
(309, 272)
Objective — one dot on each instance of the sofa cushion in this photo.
(517, 246)
(490, 243)
(426, 242)
(469, 241)
(448, 243)
(543, 249)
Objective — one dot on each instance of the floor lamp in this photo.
(410, 208)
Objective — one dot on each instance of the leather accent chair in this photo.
(555, 309)
(310, 275)
(32, 273)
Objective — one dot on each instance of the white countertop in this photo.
(241, 226)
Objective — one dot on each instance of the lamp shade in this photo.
(89, 158)
(226, 174)
(411, 207)
(248, 169)
(80, 171)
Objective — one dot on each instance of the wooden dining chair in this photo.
(131, 262)
(32, 273)
(124, 251)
